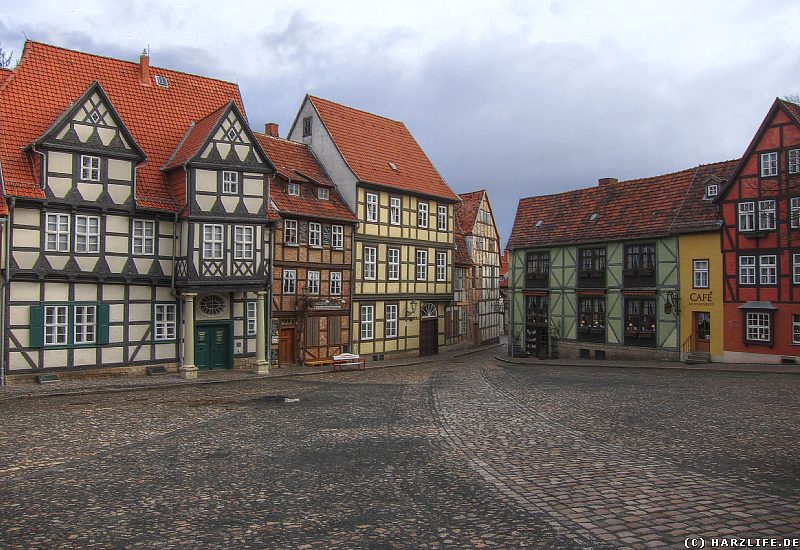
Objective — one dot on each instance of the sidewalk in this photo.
(659, 365)
(139, 383)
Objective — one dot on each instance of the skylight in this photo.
(393, 166)
(162, 81)
(594, 217)
(539, 224)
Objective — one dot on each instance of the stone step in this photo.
(697, 358)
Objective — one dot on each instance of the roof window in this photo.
(393, 166)
(162, 81)
(594, 217)
(539, 224)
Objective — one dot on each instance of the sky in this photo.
(517, 97)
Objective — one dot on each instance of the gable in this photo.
(232, 143)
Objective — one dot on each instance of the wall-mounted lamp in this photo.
(673, 303)
(413, 305)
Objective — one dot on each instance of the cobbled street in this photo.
(468, 453)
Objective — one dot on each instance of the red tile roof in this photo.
(697, 213)
(5, 74)
(638, 208)
(467, 211)
(461, 255)
(195, 137)
(295, 162)
(48, 79)
(370, 142)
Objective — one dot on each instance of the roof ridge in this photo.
(357, 109)
(285, 140)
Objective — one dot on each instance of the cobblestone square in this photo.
(463, 453)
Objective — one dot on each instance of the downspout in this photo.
(174, 252)
(350, 329)
(270, 278)
(4, 294)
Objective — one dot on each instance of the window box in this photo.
(540, 276)
(631, 333)
(646, 272)
(598, 330)
(648, 334)
(584, 274)
(753, 234)
(629, 272)
(584, 330)
(597, 274)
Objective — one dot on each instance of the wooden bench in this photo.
(347, 361)
(319, 362)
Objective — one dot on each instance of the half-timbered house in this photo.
(138, 219)
(459, 322)
(312, 254)
(404, 241)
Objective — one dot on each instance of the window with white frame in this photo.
(441, 218)
(393, 264)
(370, 262)
(422, 265)
(56, 325)
(367, 322)
(441, 266)
(230, 182)
(87, 234)
(312, 283)
(243, 242)
(390, 326)
(251, 314)
(337, 237)
(165, 322)
(747, 216)
(290, 231)
(293, 189)
(315, 234)
(57, 233)
(372, 207)
(700, 278)
(747, 270)
(795, 329)
(213, 241)
(793, 161)
(769, 164)
(795, 211)
(766, 214)
(336, 283)
(422, 215)
(85, 324)
(394, 210)
(768, 269)
(143, 238)
(796, 269)
(289, 281)
(759, 327)
(323, 193)
(90, 168)
(712, 189)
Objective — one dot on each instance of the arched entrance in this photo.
(428, 329)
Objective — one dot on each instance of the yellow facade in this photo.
(696, 300)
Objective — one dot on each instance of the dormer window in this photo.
(769, 164)
(162, 81)
(711, 190)
(230, 183)
(323, 193)
(90, 168)
(307, 126)
(293, 189)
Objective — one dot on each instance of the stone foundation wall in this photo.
(84, 373)
(570, 349)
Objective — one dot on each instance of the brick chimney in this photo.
(271, 129)
(606, 181)
(144, 69)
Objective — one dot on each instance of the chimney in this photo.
(271, 129)
(606, 181)
(144, 68)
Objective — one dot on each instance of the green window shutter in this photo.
(102, 323)
(36, 339)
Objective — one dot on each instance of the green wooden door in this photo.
(212, 347)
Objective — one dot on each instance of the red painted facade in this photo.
(761, 301)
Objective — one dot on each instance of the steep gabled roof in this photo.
(49, 79)
(467, 211)
(5, 74)
(698, 213)
(371, 144)
(461, 255)
(640, 208)
(295, 162)
(196, 135)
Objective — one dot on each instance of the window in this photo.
(164, 322)
(758, 327)
(162, 81)
(393, 264)
(390, 327)
(56, 325)
(323, 193)
(700, 273)
(315, 234)
(766, 214)
(795, 211)
(293, 189)
(312, 285)
(212, 241)
(337, 237)
(793, 161)
(422, 265)
(289, 281)
(747, 216)
(441, 266)
(394, 210)
(592, 315)
(90, 168)
(369, 262)
(312, 331)
(747, 270)
(768, 270)
(306, 126)
(372, 207)
(290, 231)
(422, 215)
(640, 258)
(367, 322)
(230, 183)
(459, 274)
(212, 305)
(712, 189)
(640, 318)
(593, 260)
(87, 234)
(143, 240)
(334, 331)
(243, 242)
(769, 164)
(84, 324)
(796, 269)
(336, 283)
(57, 233)
(795, 329)
(441, 218)
(537, 264)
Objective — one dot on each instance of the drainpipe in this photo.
(350, 330)
(4, 293)
(269, 292)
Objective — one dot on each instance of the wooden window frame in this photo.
(795, 329)
(441, 266)
(771, 164)
(315, 231)
(140, 238)
(289, 283)
(366, 324)
(162, 324)
(395, 209)
(749, 215)
(371, 208)
(699, 271)
(293, 189)
(760, 316)
(796, 269)
(371, 263)
(92, 170)
(441, 216)
(337, 237)
(422, 217)
(793, 161)
(290, 227)
(742, 266)
(761, 267)
(312, 277)
(61, 233)
(307, 128)
(230, 182)
(243, 248)
(61, 328)
(392, 266)
(766, 222)
(395, 320)
(211, 244)
(88, 246)
(335, 277)
(421, 257)
(323, 194)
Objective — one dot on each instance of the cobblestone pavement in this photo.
(462, 453)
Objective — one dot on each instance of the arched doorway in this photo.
(428, 329)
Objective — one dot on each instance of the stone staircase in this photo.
(697, 358)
